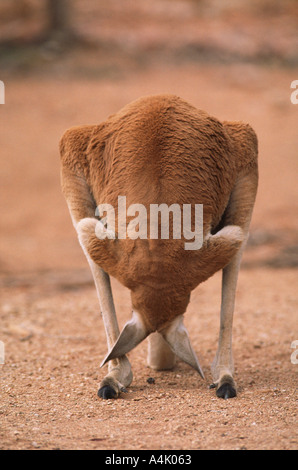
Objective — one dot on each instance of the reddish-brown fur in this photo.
(162, 150)
(159, 150)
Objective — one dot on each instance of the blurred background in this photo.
(67, 63)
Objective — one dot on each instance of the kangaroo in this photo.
(161, 150)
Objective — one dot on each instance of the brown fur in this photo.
(159, 150)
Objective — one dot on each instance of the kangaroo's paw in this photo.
(109, 388)
(225, 387)
(118, 378)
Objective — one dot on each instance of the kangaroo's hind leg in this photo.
(82, 209)
(238, 213)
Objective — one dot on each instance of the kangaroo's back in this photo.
(163, 150)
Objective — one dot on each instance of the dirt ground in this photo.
(50, 320)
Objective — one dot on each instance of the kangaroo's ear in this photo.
(176, 336)
(133, 333)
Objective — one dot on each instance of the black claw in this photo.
(226, 390)
(106, 392)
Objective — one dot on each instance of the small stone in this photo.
(151, 380)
